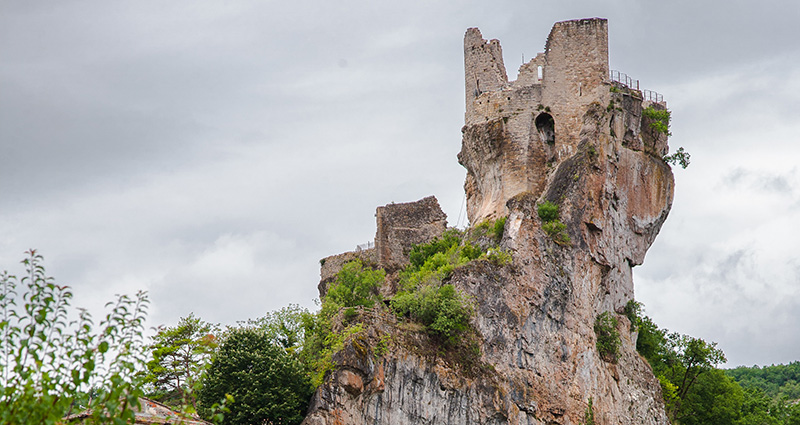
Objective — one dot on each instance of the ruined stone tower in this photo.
(516, 131)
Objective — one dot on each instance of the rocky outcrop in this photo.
(538, 361)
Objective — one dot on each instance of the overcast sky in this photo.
(212, 152)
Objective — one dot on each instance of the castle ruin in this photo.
(567, 131)
(515, 132)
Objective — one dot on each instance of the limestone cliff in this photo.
(565, 133)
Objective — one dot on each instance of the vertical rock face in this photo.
(561, 133)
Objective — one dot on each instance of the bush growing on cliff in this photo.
(557, 231)
(551, 224)
(423, 297)
(421, 252)
(588, 415)
(356, 285)
(443, 310)
(659, 119)
(608, 342)
(547, 211)
(633, 311)
(492, 228)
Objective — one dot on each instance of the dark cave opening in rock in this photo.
(546, 127)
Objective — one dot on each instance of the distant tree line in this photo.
(777, 381)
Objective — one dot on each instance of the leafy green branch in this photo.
(680, 157)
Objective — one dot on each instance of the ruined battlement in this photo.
(566, 76)
(517, 132)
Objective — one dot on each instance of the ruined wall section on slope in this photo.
(398, 228)
(401, 226)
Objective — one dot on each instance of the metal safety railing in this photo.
(627, 81)
(652, 96)
(623, 78)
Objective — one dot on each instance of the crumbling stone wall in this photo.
(330, 266)
(401, 226)
(504, 151)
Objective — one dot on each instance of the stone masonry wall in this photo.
(400, 226)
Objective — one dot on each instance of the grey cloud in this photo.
(780, 183)
(195, 148)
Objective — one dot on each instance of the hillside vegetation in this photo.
(696, 392)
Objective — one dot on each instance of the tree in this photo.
(268, 385)
(284, 327)
(50, 364)
(714, 399)
(693, 357)
(180, 355)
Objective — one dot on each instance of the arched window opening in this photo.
(540, 72)
(546, 127)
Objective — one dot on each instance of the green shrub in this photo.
(355, 285)
(608, 342)
(659, 119)
(491, 228)
(551, 225)
(350, 313)
(383, 346)
(498, 257)
(633, 311)
(554, 228)
(498, 228)
(557, 231)
(470, 251)
(420, 253)
(548, 211)
(443, 310)
(588, 415)
(333, 343)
